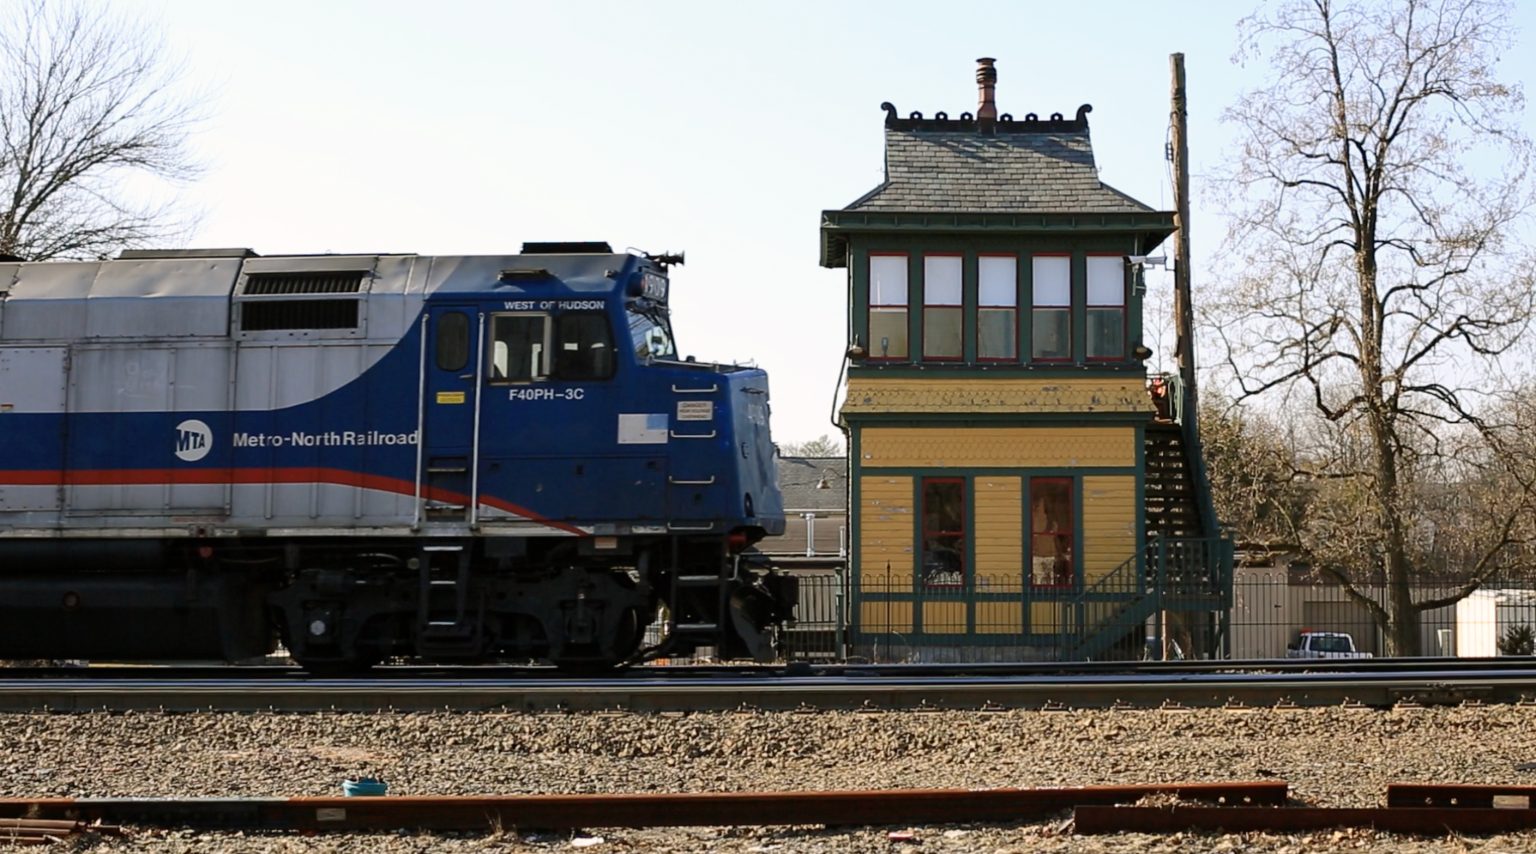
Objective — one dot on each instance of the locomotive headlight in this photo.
(318, 628)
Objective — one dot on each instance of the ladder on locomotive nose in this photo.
(693, 588)
(445, 624)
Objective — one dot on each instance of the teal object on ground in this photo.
(364, 787)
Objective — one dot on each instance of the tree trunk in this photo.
(1402, 629)
(1402, 619)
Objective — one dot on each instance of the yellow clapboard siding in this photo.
(998, 527)
(999, 618)
(868, 395)
(1109, 524)
(885, 617)
(885, 532)
(944, 618)
(997, 447)
(879, 581)
(1049, 617)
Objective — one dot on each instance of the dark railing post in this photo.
(1082, 620)
(1162, 583)
(839, 600)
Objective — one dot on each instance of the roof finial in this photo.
(986, 84)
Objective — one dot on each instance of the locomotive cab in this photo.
(582, 416)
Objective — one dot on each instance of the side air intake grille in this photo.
(309, 282)
(268, 315)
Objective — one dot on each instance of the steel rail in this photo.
(788, 693)
(561, 812)
(1278, 665)
(696, 671)
(500, 672)
(1432, 821)
(35, 831)
(1459, 795)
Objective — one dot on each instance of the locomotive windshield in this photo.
(650, 331)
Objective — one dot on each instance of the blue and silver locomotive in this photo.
(205, 453)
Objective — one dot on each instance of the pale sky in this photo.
(718, 128)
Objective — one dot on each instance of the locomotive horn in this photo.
(666, 259)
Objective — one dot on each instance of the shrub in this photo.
(1518, 640)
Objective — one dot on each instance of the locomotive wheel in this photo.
(635, 625)
(628, 637)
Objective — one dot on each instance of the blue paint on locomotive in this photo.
(660, 441)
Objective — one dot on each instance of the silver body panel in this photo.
(149, 335)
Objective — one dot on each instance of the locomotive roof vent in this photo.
(295, 301)
(148, 254)
(524, 274)
(304, 282)
(574, 247)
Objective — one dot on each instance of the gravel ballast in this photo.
(1331, 757)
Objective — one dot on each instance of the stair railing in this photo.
(1189, 567)
(1099, 603)
(1182, 574)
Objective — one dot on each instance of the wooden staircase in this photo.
(1172, 506)
(1186, 565)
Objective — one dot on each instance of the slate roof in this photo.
(799, 479)
(1029, 166)
(1002, 176)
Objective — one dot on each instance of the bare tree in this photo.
(87, 104)
(1251, 463)
(1375, 279)
(821, 446)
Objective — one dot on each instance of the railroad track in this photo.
(686, 689)
(563, 812)
(695, 671)
(1235, 807)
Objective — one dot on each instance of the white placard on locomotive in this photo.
(642, 428)
(695, 410)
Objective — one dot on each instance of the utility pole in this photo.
(1183, 321)
(1184, 348)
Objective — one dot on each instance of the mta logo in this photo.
(193, 440)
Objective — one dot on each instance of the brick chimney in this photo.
(986, 85)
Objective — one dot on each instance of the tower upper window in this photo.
(997, 323)
(943, 308)
(1051, 330)
(888, 306)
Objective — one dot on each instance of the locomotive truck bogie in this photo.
(368, 457)
(451, 604)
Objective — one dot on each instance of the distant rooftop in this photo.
(813, 483)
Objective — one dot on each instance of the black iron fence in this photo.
(1120, 617)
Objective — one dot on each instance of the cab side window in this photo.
(452, 341)
(519, 347)
(534, 347)
(583, 347)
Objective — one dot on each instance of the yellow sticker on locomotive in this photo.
(450, 397)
